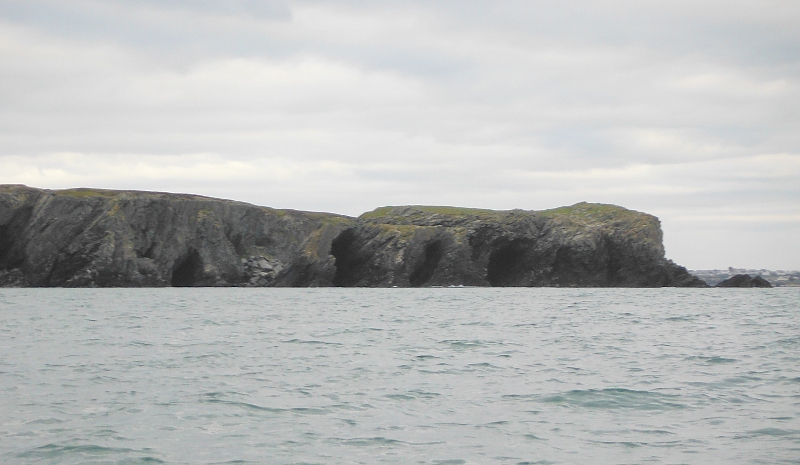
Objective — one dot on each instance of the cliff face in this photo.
(86, 238)
(584, 245)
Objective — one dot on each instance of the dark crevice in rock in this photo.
(570, 268)
(601, 265)
(350, 260)
(263, 241)
(564, 265)
(509, 263)
(6, 242)
(238, 244)
(423, 272)
(300, 275)
(10, 234)
(614, 264)
(149, 253)
(188, 270)
(479, 241)
(68, 266)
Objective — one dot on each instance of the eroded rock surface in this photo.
(96, 238)
(582, 245)
(86, 238)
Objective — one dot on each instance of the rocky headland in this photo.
(103, 238)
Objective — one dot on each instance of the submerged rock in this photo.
(92, 238)
(744, 280)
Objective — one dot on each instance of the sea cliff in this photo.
(103, 238)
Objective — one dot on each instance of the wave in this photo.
(58, 451)
(615, 398)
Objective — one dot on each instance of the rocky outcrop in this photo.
(579, 246)
(744, 280)
(87, 238)
(84, 238)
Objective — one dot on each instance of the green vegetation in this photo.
(609, 217)
(377, 213)
(586, 209)
(85, 192)
(400, 231)
(275, 211)
(205, 213)
(394, 211)
(115, 210)
(456, 211)
(586, 213)
(583, 210)
(329, 219)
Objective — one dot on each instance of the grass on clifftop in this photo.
(430, 209)
(85, 192)
(587, 209)
(596, 214)
(580, 211)
(586, 213)
(578, 215)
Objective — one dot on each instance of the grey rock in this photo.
(586, 245)
(744, 280)
(101, 238)
(84, 238)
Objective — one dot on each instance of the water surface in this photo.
(429, 376)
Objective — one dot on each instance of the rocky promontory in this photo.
(103, 238)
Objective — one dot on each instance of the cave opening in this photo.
(508, 264)
(599, 267)
(349, 260)
(188, 270)
(423, 272)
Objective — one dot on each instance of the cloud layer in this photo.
(687, 110)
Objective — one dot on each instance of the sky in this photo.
(687, 110)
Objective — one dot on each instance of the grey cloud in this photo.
(686, 110)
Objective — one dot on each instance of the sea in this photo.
(440, 376)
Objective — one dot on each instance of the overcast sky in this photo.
(688, 110)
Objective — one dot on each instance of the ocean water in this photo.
(406, 376)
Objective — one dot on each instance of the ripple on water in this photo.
(91, 452)
(411, 376)
(615, 398)
(775, 432)
(711, 360)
